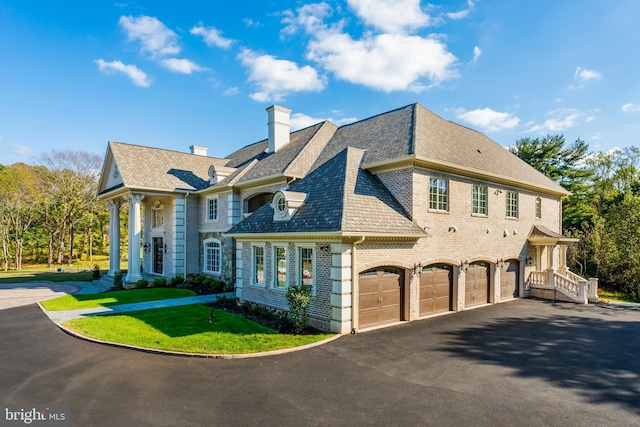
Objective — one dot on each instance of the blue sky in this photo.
(76, 74)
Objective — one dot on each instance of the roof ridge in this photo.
(377, 115)
(307, 146)
(163, 149)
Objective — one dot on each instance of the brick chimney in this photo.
(279, 125)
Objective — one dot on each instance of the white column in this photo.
(239, 270)
(135, 228)
(341, 297)
(551, 252)
(114, 236)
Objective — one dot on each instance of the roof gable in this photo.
(294, 159)
(146, 168)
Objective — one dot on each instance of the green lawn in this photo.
(80, 270)
(187, 329)
(74, 302)
(606, 296)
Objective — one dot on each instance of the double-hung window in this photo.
(280, 267)
(212, 256)
(479, 200)
(512, 204)
(258, 266)
(212, 209)
(157, 217)
(538, 208)
(306, 266)
(438, 194)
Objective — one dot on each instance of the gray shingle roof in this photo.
(415, 131)
(155, 168)
(341, 197)
(272, 163)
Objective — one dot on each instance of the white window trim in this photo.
(253, 265)
(486, 201)
(217, 217)
(447, 194)
(204, 247)
(154, 211)
(274, 269)
(517, 205)
(299, 265)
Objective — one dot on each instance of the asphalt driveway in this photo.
(524, 363)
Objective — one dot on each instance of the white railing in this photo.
(566, 284)
(537, 278)
(571, 285)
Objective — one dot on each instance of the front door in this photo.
(158, 253)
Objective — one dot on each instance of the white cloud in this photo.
(309, 18)
(488, 119)
(477, 52)
(231, 91)
(184, 66)
(584, 74)
(391, 16)
(557, 124)
(154, 37)
(137, 76)
(630, 107)
(301, 121)
(211, 36)
(20, 149)
(463, 13)
(589, 119)
(386, 62)
(275, 78)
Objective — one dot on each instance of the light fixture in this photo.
(324, 248)
(417, 268)
(529, 261)
(146, 247)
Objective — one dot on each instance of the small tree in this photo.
(298, 299)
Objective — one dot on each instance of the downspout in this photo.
(353, 282)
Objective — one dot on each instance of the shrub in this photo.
(199, 279)
(298, 300)
(216, 284)
(96, 272)
(227, 302)
(159, 281)
(142, 283)
(207, 282)
(117, 279)
(176, 280)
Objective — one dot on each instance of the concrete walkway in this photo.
(59, 317)
(19, 294)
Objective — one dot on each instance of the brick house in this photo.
(393, 218)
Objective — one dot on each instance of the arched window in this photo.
(254, 202)
(212, 256)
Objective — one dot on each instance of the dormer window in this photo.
(286, 203)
